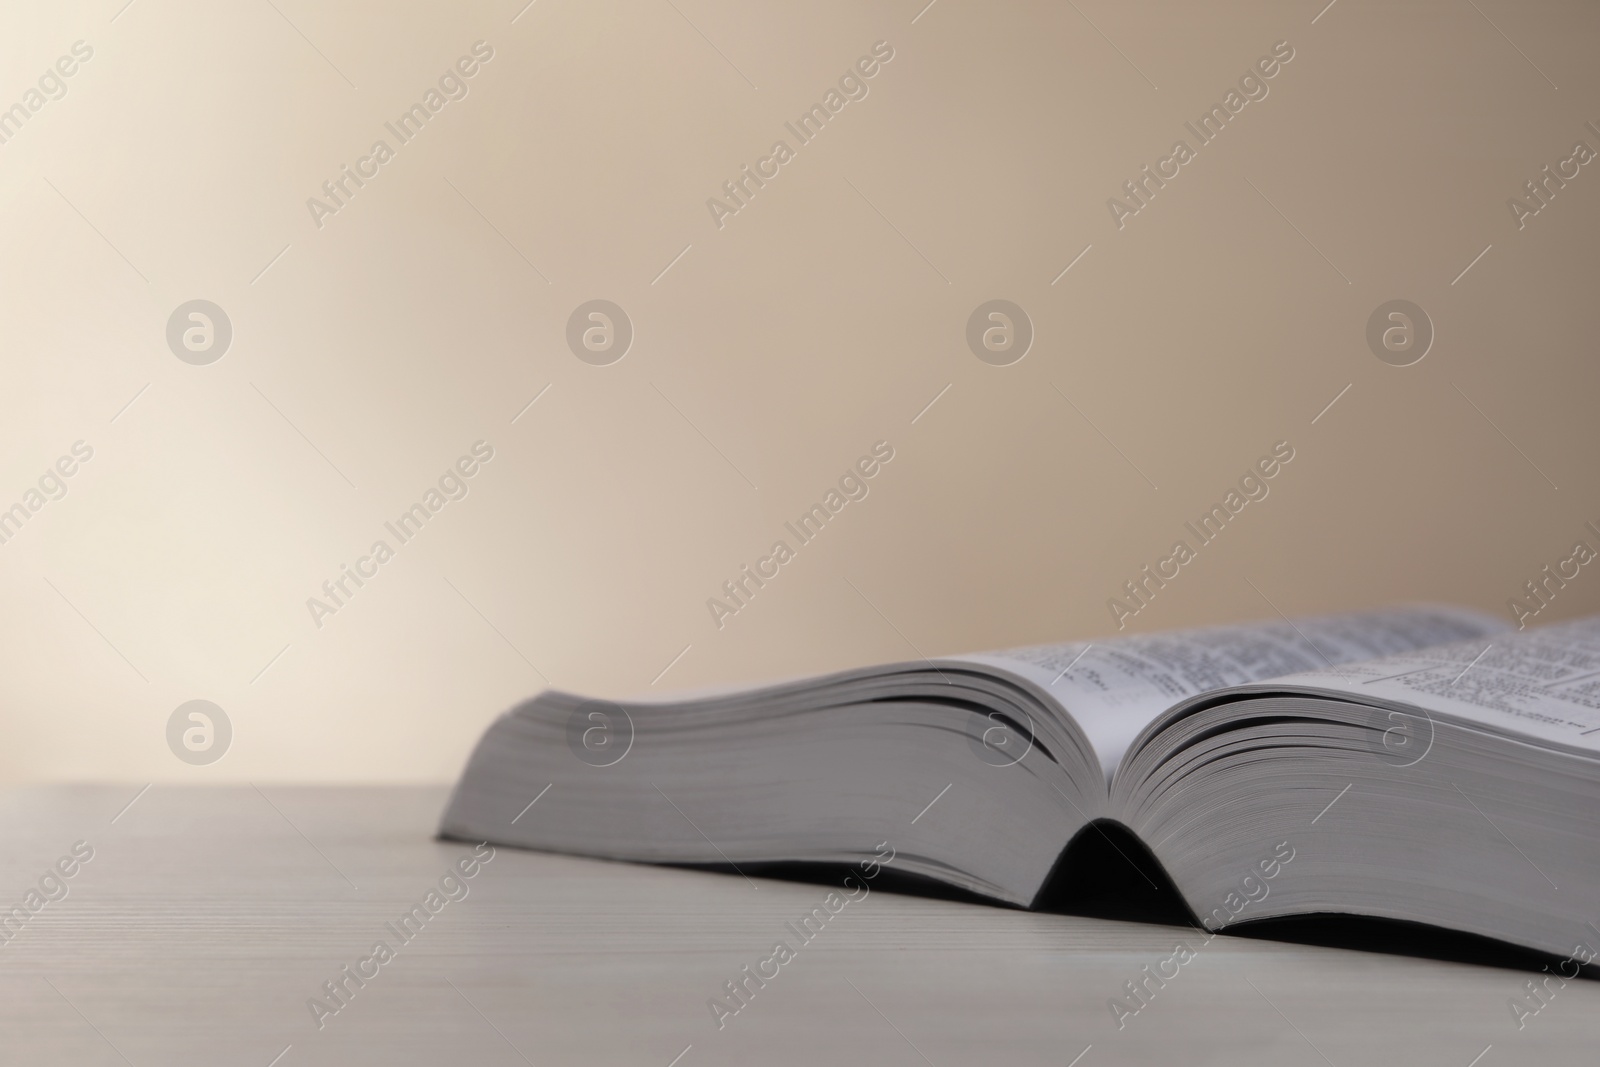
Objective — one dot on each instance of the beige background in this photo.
(822, 318)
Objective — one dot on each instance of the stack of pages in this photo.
(1420, 763)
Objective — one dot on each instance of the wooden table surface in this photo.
(208, 919)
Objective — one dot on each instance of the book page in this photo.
(1117, 686)
(1542, 683)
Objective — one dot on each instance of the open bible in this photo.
(1418, 763)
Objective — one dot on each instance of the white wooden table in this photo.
(208, 918)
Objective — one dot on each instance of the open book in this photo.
(1419, 763)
